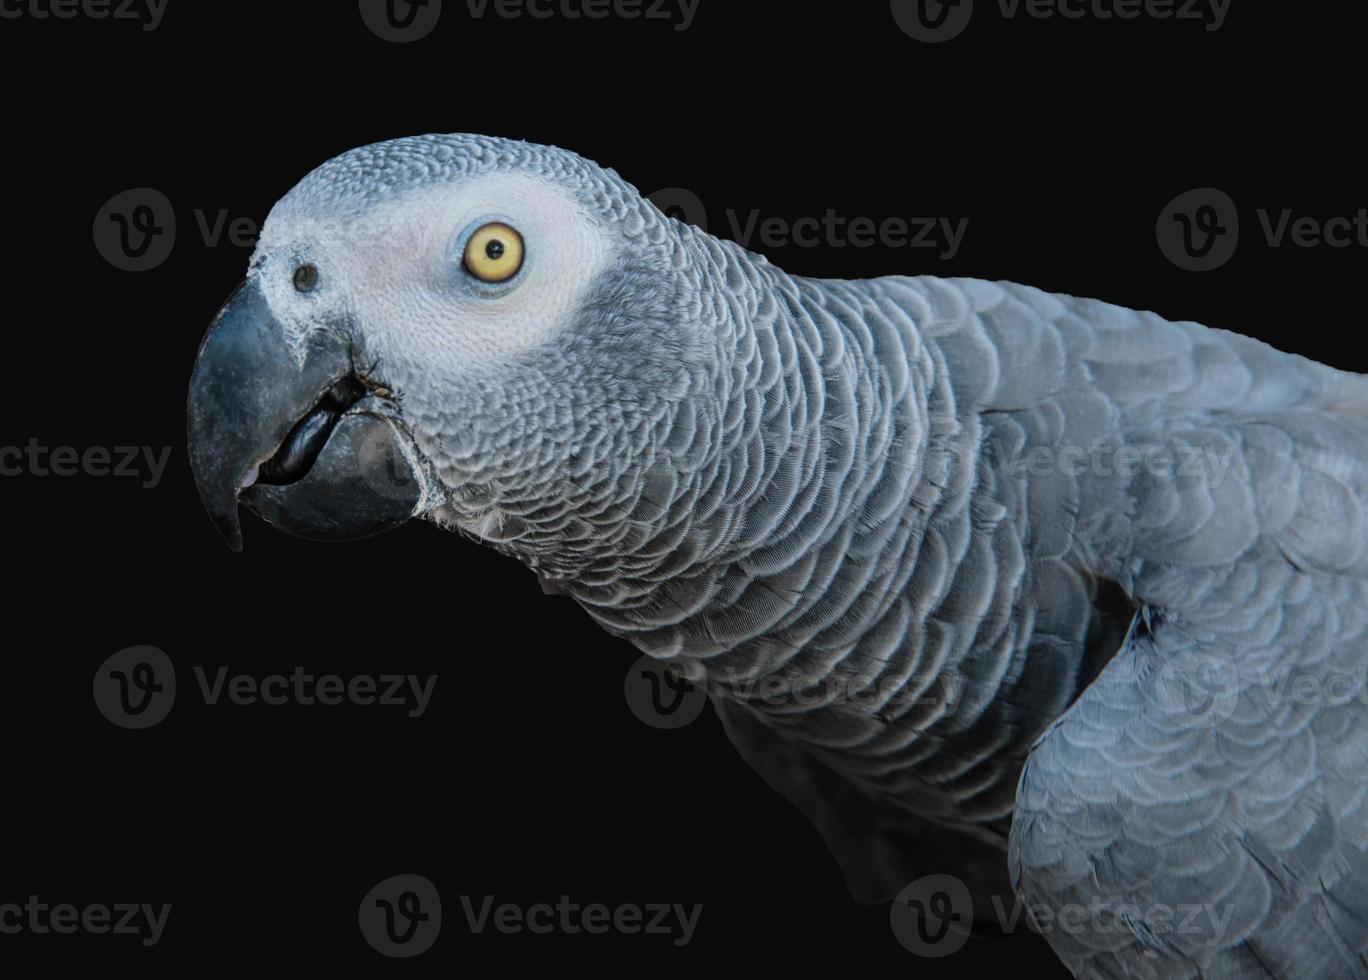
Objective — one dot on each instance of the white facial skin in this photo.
(396, 272)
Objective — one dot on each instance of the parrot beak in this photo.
(296, 436)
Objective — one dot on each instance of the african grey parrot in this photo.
(1006, 584)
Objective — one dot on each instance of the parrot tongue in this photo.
(301, 448)
(360, 482)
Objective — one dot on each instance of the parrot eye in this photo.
(494, 253)
(306, 278)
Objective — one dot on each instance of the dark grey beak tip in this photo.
(220, 503)
(223, 513)
(231, 532)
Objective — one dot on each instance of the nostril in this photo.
(306, 277)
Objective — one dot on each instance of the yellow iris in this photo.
(494, 253)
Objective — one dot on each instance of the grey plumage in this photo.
(962, 543)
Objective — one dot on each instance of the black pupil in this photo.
(494, 249)
(305, 277)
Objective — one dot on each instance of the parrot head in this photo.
(489, 334)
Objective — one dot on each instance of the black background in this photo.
(529, 778)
